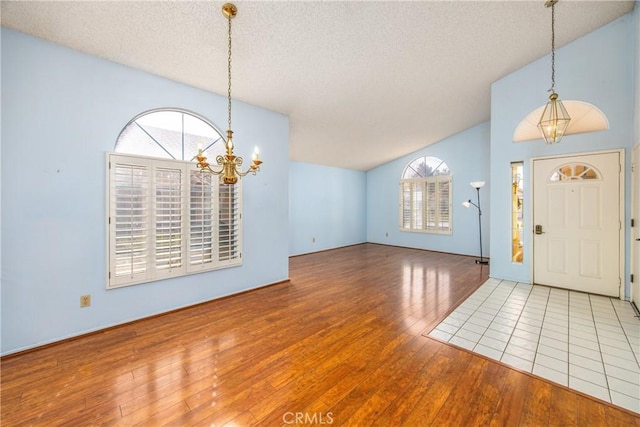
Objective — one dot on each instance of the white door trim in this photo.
(634, 268)
(621, 210)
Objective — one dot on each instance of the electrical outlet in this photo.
(386, 234)
(85, 301)
(313, 239)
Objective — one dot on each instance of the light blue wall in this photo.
(467, 155)
(636, 72)
(597, 68)
(62, 111)
(328, 205)
(0, 200)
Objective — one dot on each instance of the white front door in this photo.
(577, 223)
(635, 231)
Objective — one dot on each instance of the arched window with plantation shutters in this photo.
(425, 196)
(167, 218)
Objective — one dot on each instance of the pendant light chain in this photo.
(229, 75)
(553, 48)
(554, 120)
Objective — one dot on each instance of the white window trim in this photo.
(151, 273)
(422, 182)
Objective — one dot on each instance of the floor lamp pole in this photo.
(481, 260)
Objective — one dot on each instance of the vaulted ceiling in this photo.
(363, 82)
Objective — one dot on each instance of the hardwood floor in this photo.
(340, 344)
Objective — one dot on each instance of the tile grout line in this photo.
(475, 311)
(624, 331)
(566, 304)
(502, 305)
(516, 324)
(604, 372)
(482, 305)
(604, 369)
(630, 347)
(535, 356)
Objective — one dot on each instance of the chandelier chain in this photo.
(553, 48)
(229, 74)
(230, 165)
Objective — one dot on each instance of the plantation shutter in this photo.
(229, 250)
(203, 220)
(418, 205)
(425, 204)
(168, 215)
(444, 203)
(167, 219)
(431, 211)
(129, 217)
(405, 205)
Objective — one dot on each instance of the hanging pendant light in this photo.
(230, 164)
(555, 119)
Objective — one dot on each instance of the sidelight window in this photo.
(517, 209)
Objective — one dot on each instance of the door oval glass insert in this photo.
(574, 172)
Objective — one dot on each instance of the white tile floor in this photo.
(586, 342)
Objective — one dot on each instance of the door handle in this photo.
(538, 229)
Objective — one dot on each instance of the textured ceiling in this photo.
(362, 82)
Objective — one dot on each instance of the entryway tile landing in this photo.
(589, 343)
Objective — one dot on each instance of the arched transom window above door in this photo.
(574, 172)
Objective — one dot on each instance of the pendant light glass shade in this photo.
(554, 120)
(585, 118)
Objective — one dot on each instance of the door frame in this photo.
(635, 233)
(621, 211)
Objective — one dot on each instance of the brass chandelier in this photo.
(555, 119)
(231, 165)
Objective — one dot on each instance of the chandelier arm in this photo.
(252, 170)
(208, 169)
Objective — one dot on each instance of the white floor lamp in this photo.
(478, 185)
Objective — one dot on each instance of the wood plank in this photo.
(563, 406)
(436, 396)
(464, 393)
(537, 404)
(487, 396)
(512, 397)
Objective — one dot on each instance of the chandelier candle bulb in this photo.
(230, 141)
